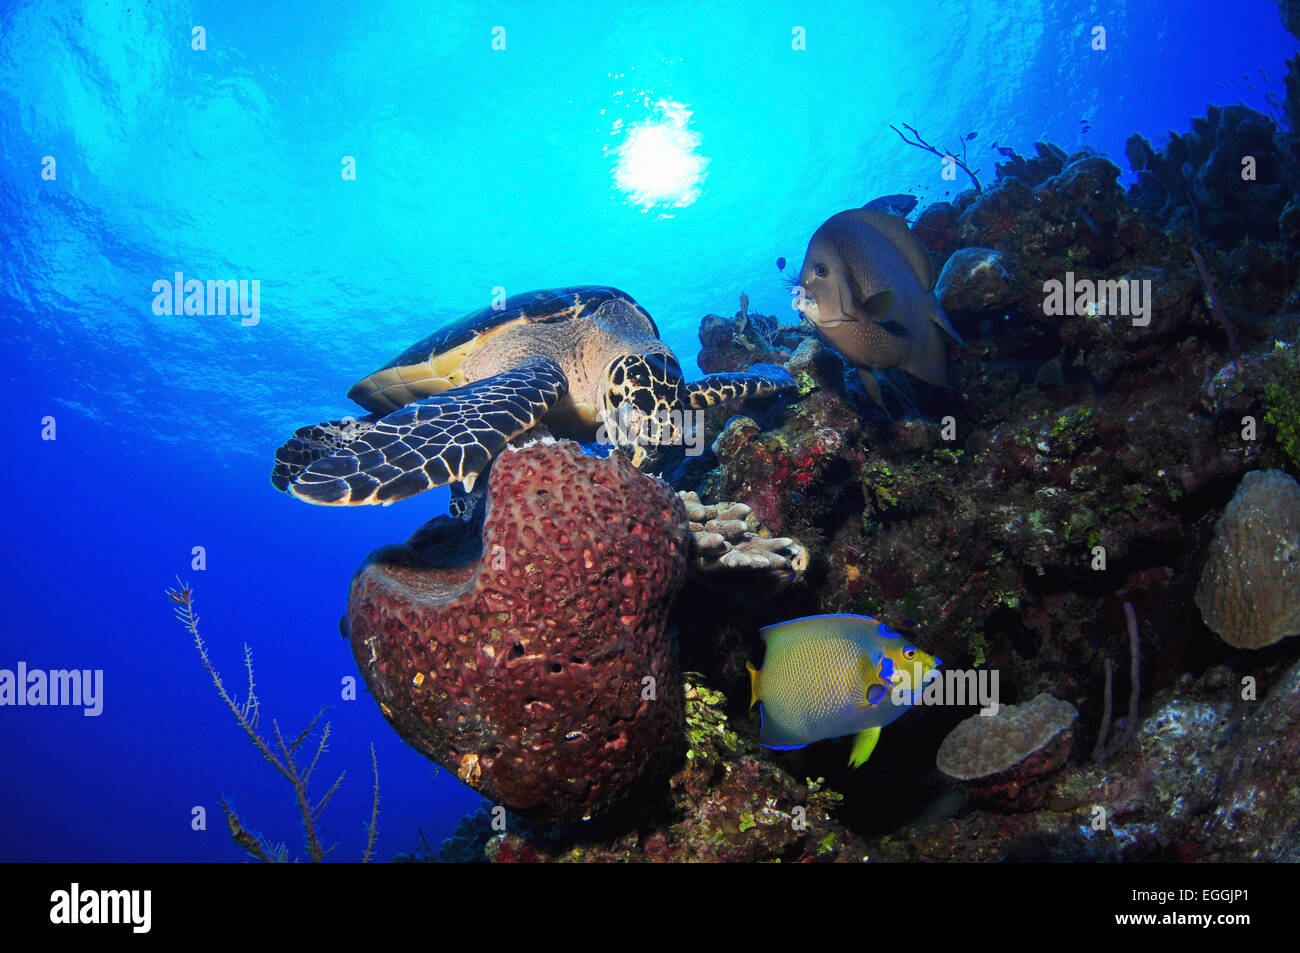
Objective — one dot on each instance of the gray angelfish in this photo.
(867, 288)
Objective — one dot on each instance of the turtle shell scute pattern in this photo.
(533, 307)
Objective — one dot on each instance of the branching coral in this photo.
(283, 758)
(920, 143)
(1216, 306)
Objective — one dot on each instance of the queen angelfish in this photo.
(830, 675)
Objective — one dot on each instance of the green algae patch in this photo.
(1282, 400)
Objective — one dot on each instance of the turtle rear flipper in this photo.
(759, 381)
(449, 438)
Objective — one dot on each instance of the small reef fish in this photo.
(866, 287)
(1087, 220)
(830, 675)
(780, 264)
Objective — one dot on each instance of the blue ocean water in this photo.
(380, 170)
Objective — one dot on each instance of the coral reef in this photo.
(727, 802)
(729, 536)
(527, 651)
(1196, 182)
(1005, 758)
(1250, 589)
(1067, 484)
(1079, 455)
(735, 344)
(1212, 775)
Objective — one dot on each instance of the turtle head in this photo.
(643, 403)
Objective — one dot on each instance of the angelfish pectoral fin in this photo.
(863, 745)
(869, 672)
(877, 307)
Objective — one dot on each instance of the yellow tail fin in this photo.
(753, 684)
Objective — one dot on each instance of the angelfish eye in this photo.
(909, 653)
(821, 271)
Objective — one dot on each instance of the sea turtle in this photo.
(585, 361)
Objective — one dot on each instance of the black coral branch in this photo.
(283, 756)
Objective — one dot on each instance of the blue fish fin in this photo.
(863, 745)
(872, 386)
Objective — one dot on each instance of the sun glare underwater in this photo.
(1021, 422)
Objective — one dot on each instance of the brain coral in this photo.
(1003, 759)
(532, 659)
(1250, 587)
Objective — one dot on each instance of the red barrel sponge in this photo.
(528, 652)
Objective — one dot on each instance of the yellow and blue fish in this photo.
(830, 675)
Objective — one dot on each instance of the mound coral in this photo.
(1250, 588)
(1003, 760)
(528, 651)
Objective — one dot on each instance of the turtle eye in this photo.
(821, 271)
(909, 653)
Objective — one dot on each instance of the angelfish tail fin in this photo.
(753, 685)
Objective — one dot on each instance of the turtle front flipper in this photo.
(449, 438)
(311, 443)
(759, 381)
